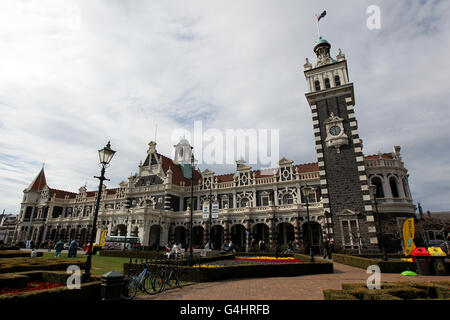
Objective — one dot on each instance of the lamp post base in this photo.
(85, 277)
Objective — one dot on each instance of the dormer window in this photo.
(327, 83)
(337, 81)
(317, 85)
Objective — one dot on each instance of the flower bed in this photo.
(31, 286)
(269, 259)
(247, 261)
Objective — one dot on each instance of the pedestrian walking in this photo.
(331, 249)
(262, 246)
(73, 249)
(58, 248)
(326, 248)
(253, 245)
(50, 246)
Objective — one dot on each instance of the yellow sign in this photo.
(103, 236)
(408, 236)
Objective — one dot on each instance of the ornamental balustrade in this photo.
(383, 163)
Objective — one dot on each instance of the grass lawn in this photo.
(100, 265)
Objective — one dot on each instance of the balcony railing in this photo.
(383, 163)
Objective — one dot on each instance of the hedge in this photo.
(245, 271)
(364, 263)
(389, 266)
(17, 254)
(138, 254)
(29, 264)
(391, 291)
(90, 290)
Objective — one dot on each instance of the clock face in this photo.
(335, 130)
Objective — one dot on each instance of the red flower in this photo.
(31, 286)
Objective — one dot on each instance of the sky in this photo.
(77, 74)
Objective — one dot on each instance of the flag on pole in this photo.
(408, 236)
(323, 14)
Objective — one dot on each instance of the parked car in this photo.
(66, 246)
(438, 243)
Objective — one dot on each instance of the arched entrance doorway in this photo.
(197, 237)
(154, 241)
(316, 236)
(261, 232)
(82, 237)
(238, 237)
(217, 236)
(121, 230)
(285, 233)
(180, 235)
(53, 235)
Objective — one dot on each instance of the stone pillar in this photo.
(297, 231)
(271, 233)
(171, 233)
(226, 231)
(205, 232)
(248, 235)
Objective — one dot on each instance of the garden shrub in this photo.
(244, 271)
(330, 294)
(16, 254)
(28, 264)
(403, 290)
(15, 280)
(364, 263)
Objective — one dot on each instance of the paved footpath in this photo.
(308, 287)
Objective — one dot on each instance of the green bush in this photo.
(28, 264)
(16, 254)
(88, 291)
(337, 295)
(138, 254)
(14, 280)
(403, 290)
(364, 263)
(244, 271)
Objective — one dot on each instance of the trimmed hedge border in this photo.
(364, 263)
(11, 265)
(385, 266)
(244, 271)
(17, 254)
(391, 291)
(90, 290)
(132, 254)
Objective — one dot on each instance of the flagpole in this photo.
(318, 29)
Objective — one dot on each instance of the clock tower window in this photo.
(337, 81)
(317, 85)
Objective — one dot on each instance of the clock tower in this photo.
(343, 180)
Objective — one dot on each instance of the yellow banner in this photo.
(408, 236)
(103, 236)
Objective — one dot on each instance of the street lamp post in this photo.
(306, 191)
(192, 210)
(210, 198)
(105, 156)
(373, 191)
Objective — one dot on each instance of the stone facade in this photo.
(154, 204)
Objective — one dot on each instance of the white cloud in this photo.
(77, 74)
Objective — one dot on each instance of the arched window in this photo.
(317, 85)
(327, 83)
(288, 199)
(337, 81)
(244, 202)
(394, 189)
(405, 187)
(377, 182)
